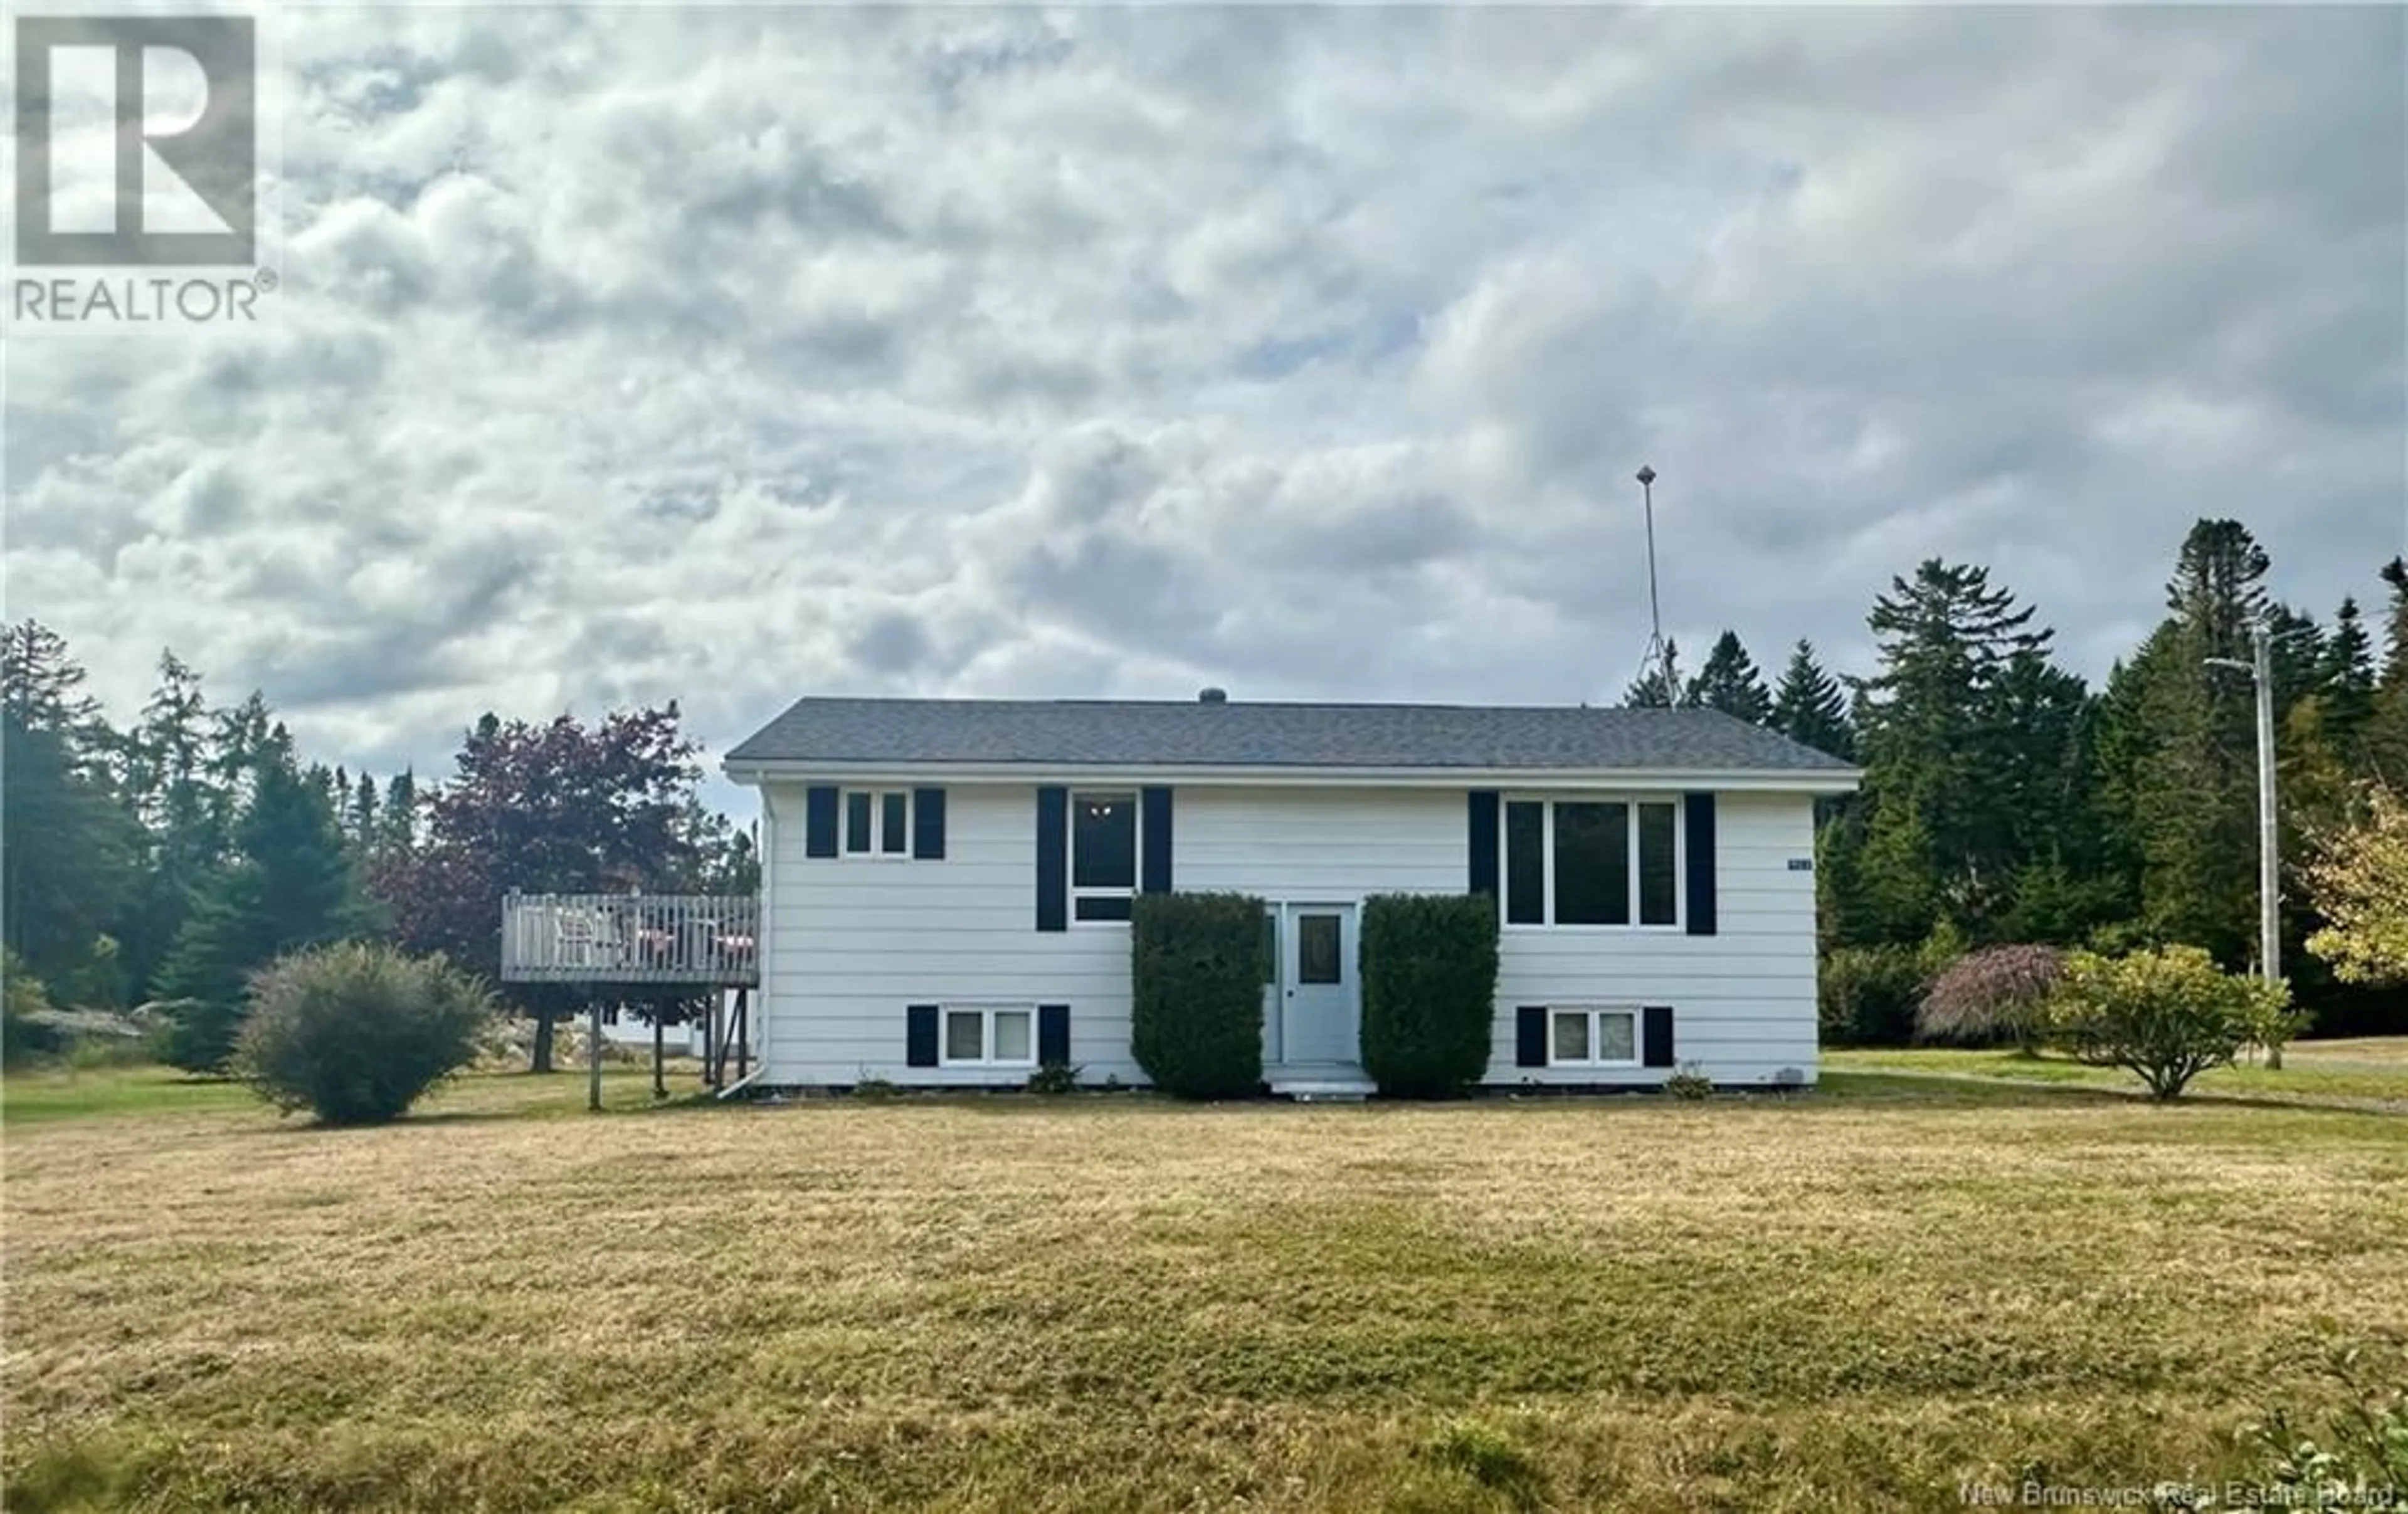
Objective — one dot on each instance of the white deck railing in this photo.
(631, 938)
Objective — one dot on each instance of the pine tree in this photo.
(1811, 707)
(399, 831)
(183, 811)
(1652, 690)
(289, 887)
(2344, 681)
(2296, 651)
(41, 685)
(2384, 741)
(1938, 740)
(362, 821)
(1729, 683)
(67, 840)
(2193, 785)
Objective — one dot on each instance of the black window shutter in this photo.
(1530, 1035)
(1053, 1035)
(929, 823)
(920, 1035)
(1699, 814)
(1155, 849)
(1656, 1030)
(1483, 844)
(819, 821)
(1052, 859)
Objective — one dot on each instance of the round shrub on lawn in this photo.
(356, 1033)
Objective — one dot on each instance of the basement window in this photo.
(989, 1036)
(1592, 1038)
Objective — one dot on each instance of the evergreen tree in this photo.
(1939, 741)
(400, 830)
(1811, 707)
(67, 842)
(363, 820)
(1652, 690)
(2192, 792)
(2344, 681)
(41, 684)
(1729, 683)
(2296, 652)
(290, 886)
(178, 798)
(2384, 741)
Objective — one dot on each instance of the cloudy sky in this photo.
(627, 354)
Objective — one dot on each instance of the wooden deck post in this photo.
(660, 1070)
(744, 1035)
(594, 1054)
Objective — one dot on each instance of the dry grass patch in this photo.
(1850, 1300)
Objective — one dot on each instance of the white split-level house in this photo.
(947, 883)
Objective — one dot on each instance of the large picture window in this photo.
(1103, 855)
(1592, 862)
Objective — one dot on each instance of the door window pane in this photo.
(895, 823)
(965, 1035)
(1618, 1037)
(1526, 863)
(1592, 864)
(1658, 903)
(1572, 1036)
(1316, 949)
(1103, 842)
(1011, 1035)
(856, 822)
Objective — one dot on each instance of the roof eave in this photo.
(1813, 780)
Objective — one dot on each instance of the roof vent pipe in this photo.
(1212, 696)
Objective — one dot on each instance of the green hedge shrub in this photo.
(25, 1036)
(357, 1032)
(1196, 968)
(1868, 995)
(1430, 992)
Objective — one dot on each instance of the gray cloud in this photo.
(724, 355)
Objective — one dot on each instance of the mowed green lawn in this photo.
(1863, 1297)
(2370, 1073)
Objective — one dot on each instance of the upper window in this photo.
(877, 823)
(1103, 855)
(1586, 861)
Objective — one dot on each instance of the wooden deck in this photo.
(602, 939)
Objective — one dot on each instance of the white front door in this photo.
(1321, 1011)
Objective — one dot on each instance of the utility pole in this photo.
(2270, 933)
(1659, 651)
(2260, 669)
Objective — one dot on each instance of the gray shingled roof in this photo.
(1181, 734)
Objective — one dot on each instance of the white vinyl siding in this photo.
(848, 947)
(851, 948)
